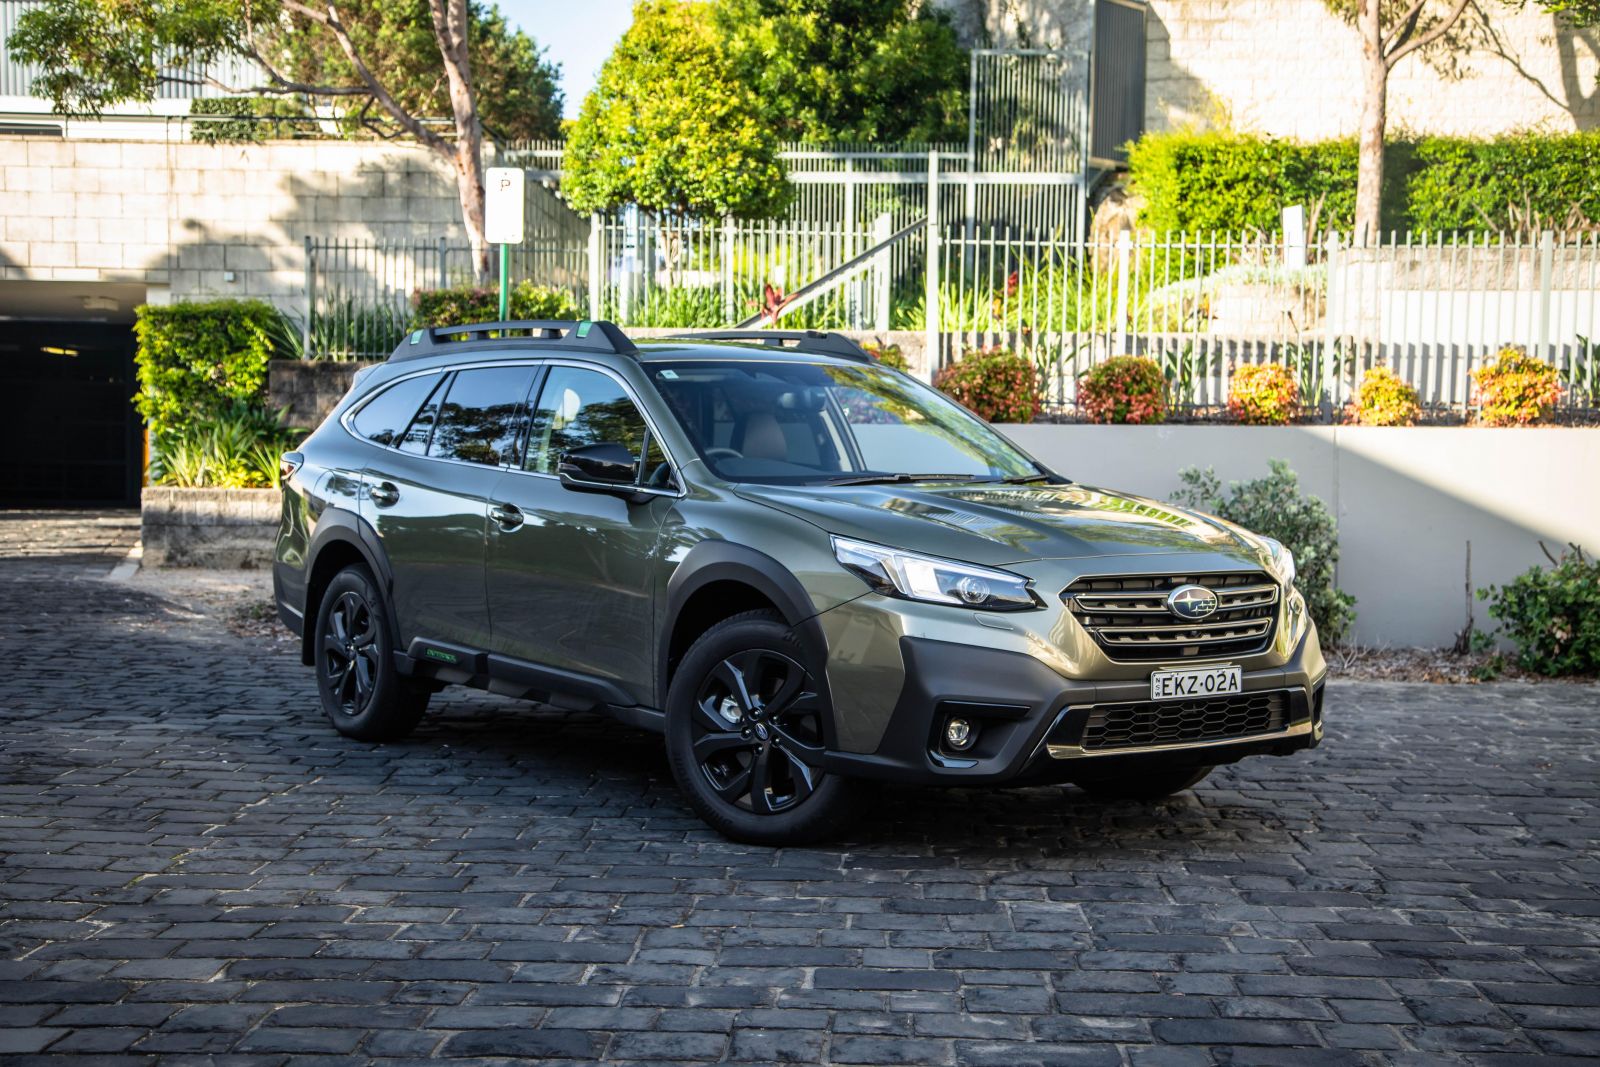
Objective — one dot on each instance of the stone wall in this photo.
(191, 220)
(227, 528)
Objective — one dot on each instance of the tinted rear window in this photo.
(480, 417)
(385, 417)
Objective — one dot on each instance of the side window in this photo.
(384, 418)
(478, 421)
(581, 407)
(417, 435)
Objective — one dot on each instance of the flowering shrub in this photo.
(1553, 615)
(1515, 389)
(889, 355)
(1384, 399)
(1124, 389)
(1263, 394)
(998, 384)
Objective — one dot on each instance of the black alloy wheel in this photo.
(748, 734)
(362, 691)
(758, 731)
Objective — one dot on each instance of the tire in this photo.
(362, 693)
(1139, 786)
(745, 735)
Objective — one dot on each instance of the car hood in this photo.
(1001, 524)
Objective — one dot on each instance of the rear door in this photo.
(427, 498)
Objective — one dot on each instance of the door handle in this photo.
(384, 494)
(507, 516)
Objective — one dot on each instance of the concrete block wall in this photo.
(180, 217)
(230, 528)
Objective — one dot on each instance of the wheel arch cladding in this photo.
(719, 579)
(337, 544)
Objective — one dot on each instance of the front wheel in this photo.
(745, 736)
(362, 693)
(1138, 785)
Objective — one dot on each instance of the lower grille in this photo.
(1129, 619)
(1185, 721)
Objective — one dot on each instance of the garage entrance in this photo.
(72, 437)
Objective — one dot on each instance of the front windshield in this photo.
(783, 423)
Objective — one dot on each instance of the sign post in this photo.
(502, 221)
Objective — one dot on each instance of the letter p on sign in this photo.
(502, 205)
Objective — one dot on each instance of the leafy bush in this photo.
(1200, 181)
(245, 121)
(197, 359)
(1124, 389)
(236, 447)
(1516, 181)
(464, 304)
(1515, 389)
(1553, 616)
(1263, 394)
(1275, 507)
(998, 384)
(1384, 399)
(887, 354)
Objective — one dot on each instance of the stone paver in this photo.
(195, 868)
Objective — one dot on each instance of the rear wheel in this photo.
(746, 738)
(362, 693)
(1137, 785)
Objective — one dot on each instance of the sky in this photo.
(578, 34)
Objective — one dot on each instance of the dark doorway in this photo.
(71, 436)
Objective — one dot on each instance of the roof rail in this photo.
(599, 336)
(813, 341)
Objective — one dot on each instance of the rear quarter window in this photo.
(385, 417)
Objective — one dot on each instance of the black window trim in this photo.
(541, 372)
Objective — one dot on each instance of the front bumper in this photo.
(1031, 721)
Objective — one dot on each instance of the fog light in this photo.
(959, 734)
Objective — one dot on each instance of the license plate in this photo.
(1196, 682)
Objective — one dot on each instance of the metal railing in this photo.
(1431, 307)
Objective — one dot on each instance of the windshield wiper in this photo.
(1029, 479)
(889, 479)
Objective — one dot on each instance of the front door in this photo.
(428, 500)
(571, 574)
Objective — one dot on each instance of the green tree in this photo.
(1391, 30)
(850, 70)
(406, 61)
(668, 128)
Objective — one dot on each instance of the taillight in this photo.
(288, 463)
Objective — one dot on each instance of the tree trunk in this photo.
(450, 30)
(1374, 90)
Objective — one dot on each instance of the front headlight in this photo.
(936, 581)
(1281, 560)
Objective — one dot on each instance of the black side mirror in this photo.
(604, 467)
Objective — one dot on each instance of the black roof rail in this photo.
(812, 341)
(597, 336)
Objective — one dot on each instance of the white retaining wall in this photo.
(1407, 500)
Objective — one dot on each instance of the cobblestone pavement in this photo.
(197, 869)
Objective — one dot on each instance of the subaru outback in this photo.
(803, 568)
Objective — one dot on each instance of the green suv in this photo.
(803, 568)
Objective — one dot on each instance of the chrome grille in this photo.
(1185, 721)
(1128, 618)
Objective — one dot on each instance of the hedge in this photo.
(464, 304)
(1202, 181)
(197, 359)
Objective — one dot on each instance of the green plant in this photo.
(1182, 367)
(1552, 616)
(1515, 389)
(195, 359)
(1275, 507)
(1581, 375)
(1504, 183)
(1384, 399)
(235, 447)
(1124, 389)
(996, 383)
(250, 119)
(462, 304)
(1263, 394)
